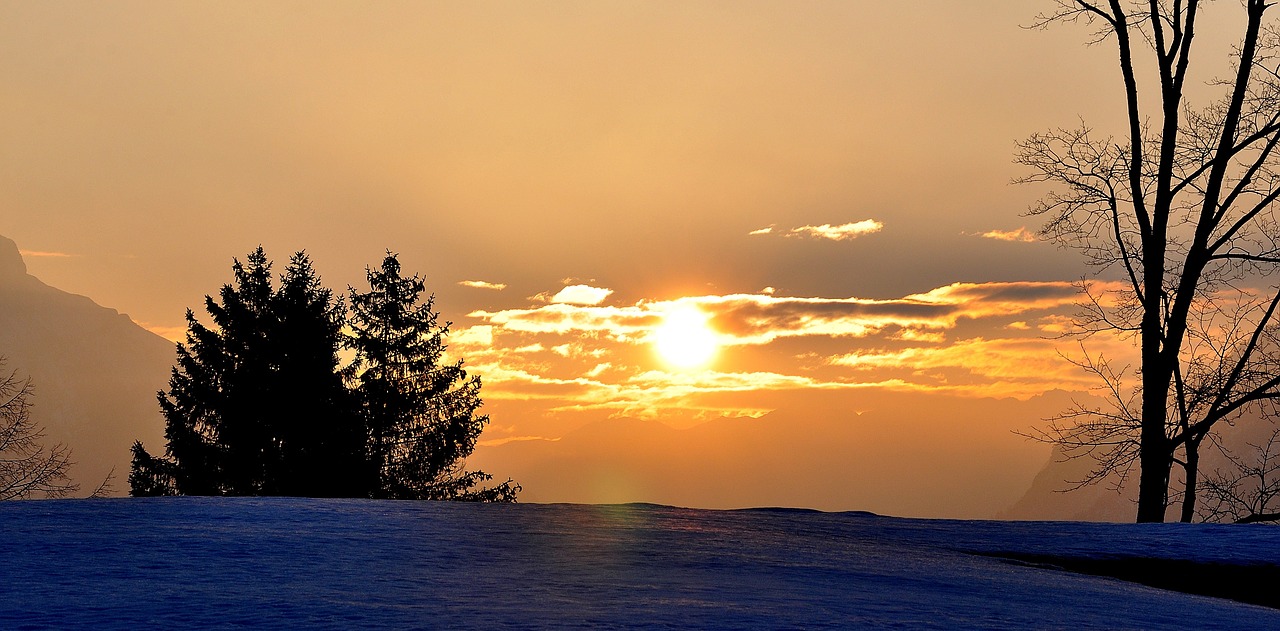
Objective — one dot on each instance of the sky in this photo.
(814, 198)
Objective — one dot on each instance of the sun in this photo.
(684, 340)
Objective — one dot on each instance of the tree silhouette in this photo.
(257, 405)
(419, 411)
(1182, 210)
(260, 404)
(1249, 491)
(150, 476)
(27, 469)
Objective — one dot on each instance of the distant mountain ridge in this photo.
(95, 371)
(1053, 493)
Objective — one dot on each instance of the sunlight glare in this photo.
(684, 340)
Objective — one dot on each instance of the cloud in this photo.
(980, 300)
(762, 318)
(644, 395)
(841, 232)
(596, 358)
(475, 336)
(714, 381)
(619, 322)
(1019, 234)
(917, 335)
(1028, 364)
(480, 284)
(1000, 372)
(51, 255)
(1023, 359)
(581, 295)
(514, 439)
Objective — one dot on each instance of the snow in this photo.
(296, 563)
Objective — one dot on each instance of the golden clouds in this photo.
(979, 339)
(581, 295)
(475, 336)
(1031, 361)
(763, 318)
(619, 323)
(1020, 234)
(979, 300)
(480, 284)
(840, 232)
(827, 231)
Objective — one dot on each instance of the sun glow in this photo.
(684, 340)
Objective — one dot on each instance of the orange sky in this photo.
(827, 181)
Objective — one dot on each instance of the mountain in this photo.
(94, 370)
(1053, 495)
(1049, 497)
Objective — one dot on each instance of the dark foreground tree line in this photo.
(261, 402)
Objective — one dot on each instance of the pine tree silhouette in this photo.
(257, 405)
(260, 403)
(420, 411)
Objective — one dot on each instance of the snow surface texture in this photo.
(295, 563)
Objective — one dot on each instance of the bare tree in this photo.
(27, 469)
(1248, 491)
(1180, 213)
(106, 487)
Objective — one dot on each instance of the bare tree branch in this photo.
(1184, 209)
(27, 469)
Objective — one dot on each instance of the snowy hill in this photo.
(290, 563)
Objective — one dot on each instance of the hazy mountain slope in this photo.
(1052, 495)
(925, 455)
(1045, 498)
(95, 371)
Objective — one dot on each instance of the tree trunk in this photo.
(1153, 485)
(1193, 473)
(1154, 454)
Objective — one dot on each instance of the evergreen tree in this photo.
(148, 475)
(257, 405)
(318, 432)
(420, 413)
